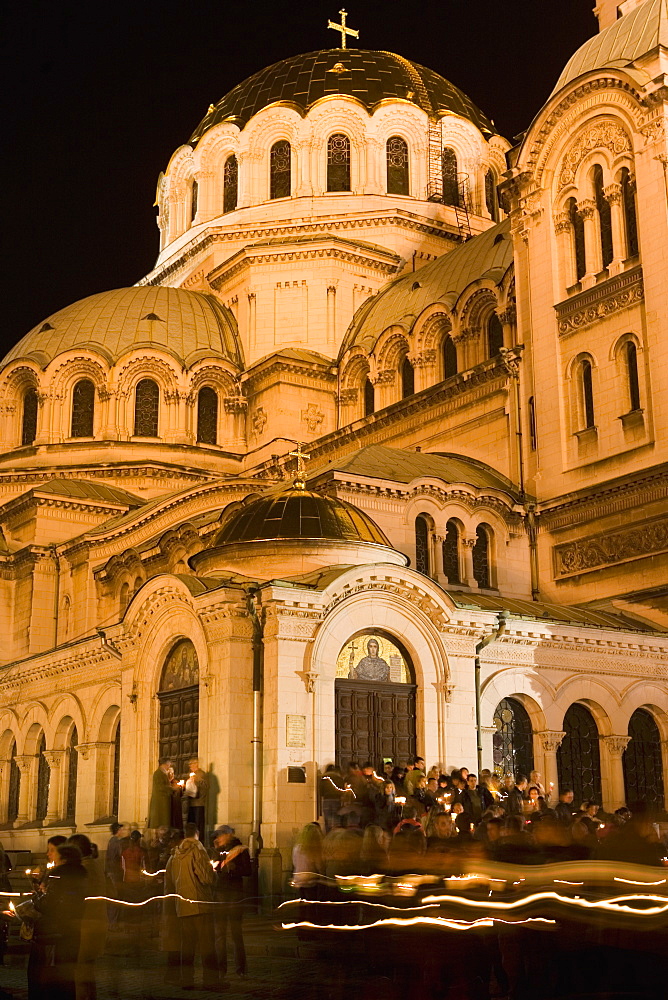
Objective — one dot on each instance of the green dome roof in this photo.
(189, 325)
(367, 75)
(299, 513)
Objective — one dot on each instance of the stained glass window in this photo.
(451, 552)
(587, 394)
(604, 217)
(369, 397)
(451, 194)
(147, 407)
(72, 770)
(43, 779)
(449, 357)
(631, 352)
(14, 786)
(630, 220)
(280, 170)
(491, 201)
(407, 378)
(194, 193)
(642, 762)
(230, 183)
(29, 421)
(422, 545)
(481, 556)
(513, 739)
(494, 335)
(83, 408)
(577, 222)
(396, 152)
(338, 162)
(578, 757)
(207, 415)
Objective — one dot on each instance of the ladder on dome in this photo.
(435, 182)
(461, 210)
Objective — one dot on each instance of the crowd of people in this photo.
(412, 818)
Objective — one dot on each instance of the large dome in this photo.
(189, 325)
(367, 75)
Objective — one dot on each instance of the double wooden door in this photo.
(373, 722)
(179, 723)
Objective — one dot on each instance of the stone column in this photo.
(348, 401)
(252, 304)
(664, 768)
(5, 778)
(237, 406)
(565, 249)
(613, 788)
(613, 194)
(385, 383)
(467, 548)
(331, 316)
(549, 742)
(27, 765)
(488, 733)
(508, 320)
(95, 777)
(107, 397)
(57, 784)
(587, 210)
(437, 558)
(43, 430)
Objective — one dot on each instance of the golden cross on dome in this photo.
(301, 467)
(342, 28)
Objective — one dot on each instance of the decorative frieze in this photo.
(602, 135)
(583, 555)
(581, 310)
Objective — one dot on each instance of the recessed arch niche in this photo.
(179, 706)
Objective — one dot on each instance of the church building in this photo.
(374, 461)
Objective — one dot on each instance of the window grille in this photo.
(630, 219)
(642, 762)
(43, 780)
(147, 407)
(422, 545)
(481, 557)
(451, 552)
(369, 397)
(632, 375)
(280, 170)
(230, 183)
(72, 771)
(587, 394)
(407, 378)
(578, 756)
(83, 408)
(494, 335)
(449, 357)
(338, 162)
(207, 415)
(513, 740)
(604, 217)
(29, 422)
(396, 153)
(451, 195)
(577, 223)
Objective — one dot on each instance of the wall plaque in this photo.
(295, 731)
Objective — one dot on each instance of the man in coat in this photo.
(233, 864)
(162, 793)
(190, 875)
(196, 795)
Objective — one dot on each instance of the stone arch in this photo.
(69, 717)
(534, 692)
(599, 697)
(104, 712)
(35, 721)
(391, 348)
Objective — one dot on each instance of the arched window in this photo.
(116, 772)
(604, 216)
(451, 195)
(577, 223)
(491, 201)
(338, 162)
(422, 562)
(72, 771)
(207, 415)
(533, 435)
(494, 335)
(29, 418)
(630, 219)
(83, 408)
(643, 767)
(451, 552)
(407, 378)
(124, 598)
(369, 397)
(65, 615)
(513, 739)
(396, 154)
(179, 706)
(449, 357)
(631, 359)
(230, 183)
(481, 567)
(194, 191)
(43, 780)
(578, 757)
(147, 407)
(14, 786)
(280, 159)
(587, 393)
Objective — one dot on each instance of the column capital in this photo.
(562, 222)
(550, 740)
(86, 749)
(586, 208)
(616, 745)
(25, 761)
(54, 758)
(613, 193)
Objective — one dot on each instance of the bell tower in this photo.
(609, 11)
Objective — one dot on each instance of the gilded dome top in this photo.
(364, 74)
(300, 513)
(189, 325)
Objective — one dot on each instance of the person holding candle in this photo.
(196, 793)
(232, 865)
(164, 789)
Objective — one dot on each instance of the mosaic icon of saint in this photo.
(372, 667)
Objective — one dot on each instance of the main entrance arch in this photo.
(179, 706)
(375, 701)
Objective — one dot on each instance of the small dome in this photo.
(366, 75)
(299, 513)
(189, 325)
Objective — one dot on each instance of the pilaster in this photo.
(613, 747)
(548, 743)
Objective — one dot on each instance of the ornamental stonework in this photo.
(603, 135)
(586, 554)
(579, 311)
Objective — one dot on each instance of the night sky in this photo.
(98, 97)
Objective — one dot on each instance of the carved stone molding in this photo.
(654, 130)
(384, 377)
(313, 417)
(310, 680)
(562, 222)
(602, 135)
(24, 762)
(550, 741)
(586, 208)
(613, 194)
(54, 758)
(581, 310)
(258, 420)
(348, 395)
(235, 404)
(616, 745)
(86, 749)
(586, 554)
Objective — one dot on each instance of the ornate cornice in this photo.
(224, 273)
(583, 555)
(597, 504)
(594, 304)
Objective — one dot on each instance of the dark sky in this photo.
(99, 95)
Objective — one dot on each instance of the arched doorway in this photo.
(513, 739)
(179, 706)
(642, 761)
(375, 701)
(578, 757)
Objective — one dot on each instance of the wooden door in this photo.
(179, 718)
(374, 721)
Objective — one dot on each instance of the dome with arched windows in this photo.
(368, 76)
(188, 325)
